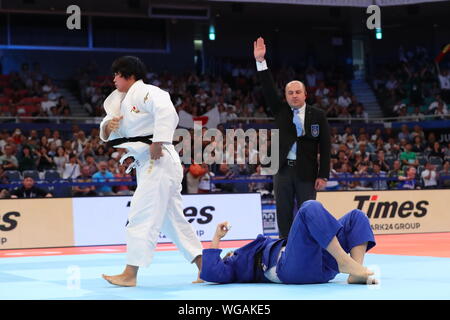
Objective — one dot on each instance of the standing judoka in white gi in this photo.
(137, 109)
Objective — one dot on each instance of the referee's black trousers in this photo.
(290, 193)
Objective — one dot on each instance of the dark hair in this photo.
(128, 66)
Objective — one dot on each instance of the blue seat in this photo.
(31, 173)
(51, 175)
(422, 160)
(13, 176)
(435, 160)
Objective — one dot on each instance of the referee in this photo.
(305, 146)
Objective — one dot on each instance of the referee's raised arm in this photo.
(270, 93)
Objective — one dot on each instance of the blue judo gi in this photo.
(304, 259)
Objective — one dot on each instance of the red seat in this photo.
(4, 108)
(31, 108)
(22, 92)
(8, 92)
(37, 100)
(102, 78)
(27, 100)
(4, 100)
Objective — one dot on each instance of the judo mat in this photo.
(413, 266)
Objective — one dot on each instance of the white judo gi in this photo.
(156, 204)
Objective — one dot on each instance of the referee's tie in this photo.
(298, 126)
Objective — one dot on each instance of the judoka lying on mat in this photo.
(315, 251)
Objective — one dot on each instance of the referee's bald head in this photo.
(295, 92)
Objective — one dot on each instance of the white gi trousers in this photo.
(157, 206)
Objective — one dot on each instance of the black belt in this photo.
(258, 260)
(116, 142)
(258, 267)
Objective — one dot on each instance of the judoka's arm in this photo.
(166, 121)
(221, 230)
(215, 269)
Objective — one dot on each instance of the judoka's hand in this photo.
(114, 123)
(222, 229)
(156, 150)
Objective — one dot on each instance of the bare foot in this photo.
(361, 280)
(198, 279)
(121, 280)
(354, 269)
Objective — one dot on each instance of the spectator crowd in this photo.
(381, 158)
(413, 86)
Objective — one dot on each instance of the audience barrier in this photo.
(53, 222)
(59, 186)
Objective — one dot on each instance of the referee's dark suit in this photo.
(295, 179)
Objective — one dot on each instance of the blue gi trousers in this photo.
(305, 259)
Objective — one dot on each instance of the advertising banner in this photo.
(36, 223)
(394, 212)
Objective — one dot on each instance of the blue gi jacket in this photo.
(240, 267)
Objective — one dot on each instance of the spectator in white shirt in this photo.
(47, 87)
(322, 92)
(72, 168)
(429, 176)
(348, 131)
(433, 106)
(344, 100)
(47, 104)
(311, 78)
(231, 115)
(398, 106)
(392, 83)
(441, 111)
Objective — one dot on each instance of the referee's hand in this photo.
(259, 49)
(320, 184)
